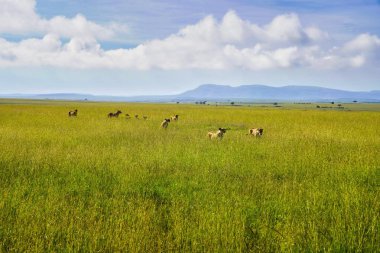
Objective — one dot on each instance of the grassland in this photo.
(93, 184)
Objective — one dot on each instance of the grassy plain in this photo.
(93, 184)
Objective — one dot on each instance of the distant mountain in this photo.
(285, 93)
(214, 92)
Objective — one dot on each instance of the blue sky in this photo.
(164, 47)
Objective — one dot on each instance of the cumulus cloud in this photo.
(363, 43)
(17, 16)
(209, 44)
(20, 17)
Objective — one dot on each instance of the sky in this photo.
(146, 47)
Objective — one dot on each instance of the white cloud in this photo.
(357, 61)
(208, 44)
(315, 34)
(19, 17)
(364, 42)
(286, 28)
(77, 26)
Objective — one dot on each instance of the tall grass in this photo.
(97, 184)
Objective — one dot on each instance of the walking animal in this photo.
(174, 118)
(116, 114)
(257, 132)
(73, 113)
(218, 134)
(165, 123)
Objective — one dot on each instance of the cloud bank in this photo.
(228, 43)
(19, 17)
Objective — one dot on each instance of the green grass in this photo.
(93, 184)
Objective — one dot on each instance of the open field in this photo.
(311, 183)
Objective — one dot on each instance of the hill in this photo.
(285, 93)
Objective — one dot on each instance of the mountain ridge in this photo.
(286, 93)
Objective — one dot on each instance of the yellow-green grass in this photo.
(94, 184)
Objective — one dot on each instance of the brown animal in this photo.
(116, 114)
(145, 117)
(127, 116)
(257, 132)
(174, 118)
(218, 134)
(73, 113)
(136, 116)
(165, 123)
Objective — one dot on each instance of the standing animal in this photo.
(165, 123)
(116, 114)
(73, 113)
(174, 118)
(218, 134)
(257, 132)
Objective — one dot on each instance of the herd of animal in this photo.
(257, 132)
